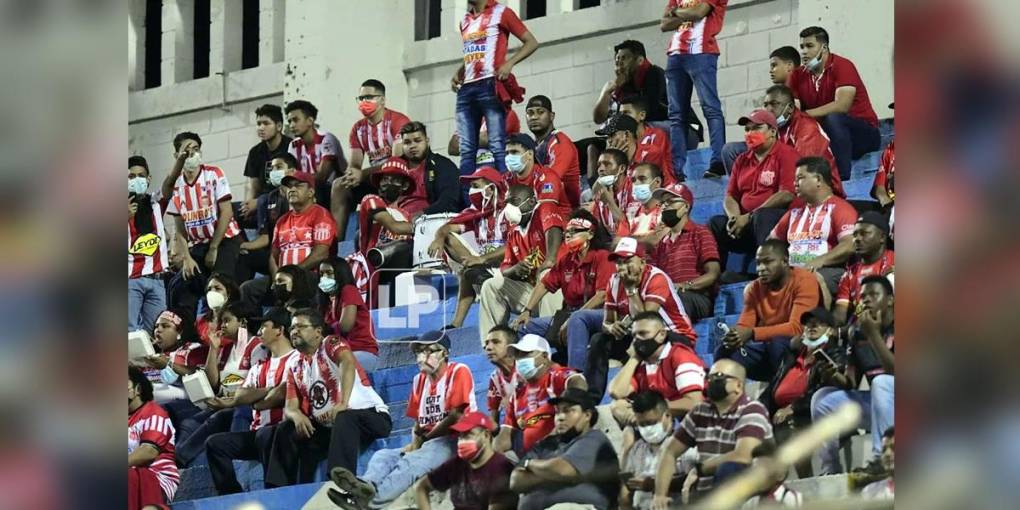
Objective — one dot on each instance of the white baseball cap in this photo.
(532, 343)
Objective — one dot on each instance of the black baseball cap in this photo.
(618, 122)
(820, 313)
(875, 218)
(433, 337)
(575, 396)
(279, 315)
(539, 101)
(523, 140)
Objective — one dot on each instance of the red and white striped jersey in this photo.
(501, 389)
(677, 372)
(198, 204)
(697, 37)
(151, 424)
(267, 374)
(654, 286)
(485, 37)
(432, 400)
(147, 252)
(376, 140)
(315, 381)
(324, 146)
(297, 233)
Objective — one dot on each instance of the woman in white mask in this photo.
(788, 395)
(220, 289)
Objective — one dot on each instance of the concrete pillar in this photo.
(178, 59)
(272, 14)
(225, 19)
(136, 45)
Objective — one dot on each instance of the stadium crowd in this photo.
(249, 301)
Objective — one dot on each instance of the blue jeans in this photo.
(849, 139)
(146, 300)
(684, 74)
(393, 472)
(730, 152)
(581, 325)
(878, 409)
(476, 100)
(760, 359)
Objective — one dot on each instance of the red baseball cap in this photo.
(626, 248)
(394, 166)
(472, 420)
(305, 177)
(676, 189)
(486, 172)
(759, 116)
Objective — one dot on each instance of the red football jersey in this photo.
(297, 233)
(197, 204)
(485, 36)
(654, 286)
(315, 381)
(548, 187)
(325, 146)
(376, 140)
(697, 37)
(530, 242)
(147, 254)
(431, 401)
(814, 231)
(151, 424)
(267, 374)
(677, 372)
(530, 410)
(558, 155)
(501, 389)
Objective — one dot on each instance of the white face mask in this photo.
(138, 185)
(215, 299)
(814, 344)
(513, 214)
(653, 434)
(276, 177)
(193, 162)
(475, 191)
(607, 180)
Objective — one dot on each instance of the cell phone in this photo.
(826, 356)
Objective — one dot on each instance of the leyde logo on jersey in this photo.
(145, 245)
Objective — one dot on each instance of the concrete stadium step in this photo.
(284, 497)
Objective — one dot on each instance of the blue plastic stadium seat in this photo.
(732, 297)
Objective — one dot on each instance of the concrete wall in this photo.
(327, 48)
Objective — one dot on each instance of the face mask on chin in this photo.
(781, 120)
(814, 344)
(607, 180)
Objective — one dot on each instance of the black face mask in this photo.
(389, 192)
(670, 217)
(716, 389)
(645, 348)
(281, 293)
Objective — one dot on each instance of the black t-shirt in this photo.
(862, 355)
(474, 489)
(259, 156)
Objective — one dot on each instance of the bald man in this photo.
(734, 424)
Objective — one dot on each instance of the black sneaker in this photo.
(358, 492)
(715, 171)
(342, 499)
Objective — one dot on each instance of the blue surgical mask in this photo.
(515, 163)
(167, 375)
(327, 284)
(813, 344)
(641, 192)
(783, 119)
(138, 185)
(275, 177)
(526, 367)
(813, 64)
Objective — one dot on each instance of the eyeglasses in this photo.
(368, 97)
(299, 326)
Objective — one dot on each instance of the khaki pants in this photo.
(499, 296)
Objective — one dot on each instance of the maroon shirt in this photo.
(474, 489)
(683, 256)
(361, 337)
